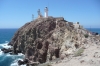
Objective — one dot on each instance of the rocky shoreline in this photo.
(49, 39)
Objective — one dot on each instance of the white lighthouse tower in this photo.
(46, 12)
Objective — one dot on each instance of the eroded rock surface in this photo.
(50, 38)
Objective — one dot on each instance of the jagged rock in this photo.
(48, 37)
(94, 33)
(3, 49)
(25, 61)
(6, 50)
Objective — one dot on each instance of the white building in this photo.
(76, 25)
(46, 12)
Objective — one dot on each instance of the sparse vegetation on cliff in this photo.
(79, 52)
(86, 35)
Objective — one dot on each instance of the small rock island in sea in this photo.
(53, 41)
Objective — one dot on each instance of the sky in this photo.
(15, 13)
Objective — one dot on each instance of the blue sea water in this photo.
(7, 59)
(6, 34)
(94, 30)
(11, 60)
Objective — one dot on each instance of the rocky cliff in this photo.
(46, 39)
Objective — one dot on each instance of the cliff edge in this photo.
(49, 39)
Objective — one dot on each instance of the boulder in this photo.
(6, 50)
(25, 61)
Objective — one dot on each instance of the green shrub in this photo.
(79, 52)
(86, 35)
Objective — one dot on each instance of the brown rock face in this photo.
(39, 38)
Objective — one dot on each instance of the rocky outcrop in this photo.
(6, 50)
(49, 38)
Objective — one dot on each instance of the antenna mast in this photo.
(32, 17)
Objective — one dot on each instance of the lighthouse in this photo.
(46, 12)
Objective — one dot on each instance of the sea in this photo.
(7, 59)
(6, 36)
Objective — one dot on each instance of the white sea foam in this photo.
(15, 63)
(5, 45)
(16, 58)
(20, 56)
(1, 53)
